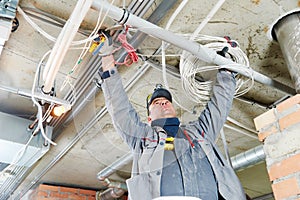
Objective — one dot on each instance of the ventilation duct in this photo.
(14, 135)
(19, 151)
(248, 158)
(286, 31)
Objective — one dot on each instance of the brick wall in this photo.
(49, 192)
(279, 130)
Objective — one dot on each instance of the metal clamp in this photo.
(8, 8)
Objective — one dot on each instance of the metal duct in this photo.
(21, 151)
(248, 158)
(239, 162)
(286, 31)
(117, 165)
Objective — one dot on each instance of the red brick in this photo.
(45, 198)
(263, 134)
(289, 120)
(76, 197)
(264, 119)
(286, 188)
(285, 167)
(42, 194)
(91, 198)
(288, 103)
(70, 190)
(87, 192)
(48, 187)
(58, 195)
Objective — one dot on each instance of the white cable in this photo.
(21, 152)
(40, 111)
(87, 45)
(240, 125)
(207, 18)
(48, 36)
(164, 71)
(190, 67)
(35, 26)
(240, 131)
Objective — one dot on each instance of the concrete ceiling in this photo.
(86, 140)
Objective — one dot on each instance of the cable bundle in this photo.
(197, 79)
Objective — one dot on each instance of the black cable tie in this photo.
(124, 11)
(125, 21)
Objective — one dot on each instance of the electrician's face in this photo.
(161, 108)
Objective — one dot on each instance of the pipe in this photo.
(239, 162)
(136, 40)
(27, 93)
(202, 52)
(115, 166)
(63, 42)
(88, 126)
(287, 32)
(248, 158)
(92, 122)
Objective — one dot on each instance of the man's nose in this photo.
(163, 103)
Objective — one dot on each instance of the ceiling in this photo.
(86, 140)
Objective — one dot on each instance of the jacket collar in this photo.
(170, 125)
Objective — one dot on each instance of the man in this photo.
(172, 159)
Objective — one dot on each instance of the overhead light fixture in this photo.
(57, 111)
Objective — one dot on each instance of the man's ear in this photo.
(149, 119)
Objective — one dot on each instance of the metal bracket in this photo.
(8, 8)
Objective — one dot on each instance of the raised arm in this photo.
(125, 119)
(214, 116)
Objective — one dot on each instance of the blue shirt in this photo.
(176, 176)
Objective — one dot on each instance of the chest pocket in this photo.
(152, 149)
(197, 151)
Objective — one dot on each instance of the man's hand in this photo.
(108, 62)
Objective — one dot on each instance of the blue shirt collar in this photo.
(170, 125)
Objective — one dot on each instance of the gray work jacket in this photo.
(147, 143)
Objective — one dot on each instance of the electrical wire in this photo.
(87, 45)
(45, 34)
(40, 111)
(164, 71)
(199, 91)
(207, 18)
(190, 68)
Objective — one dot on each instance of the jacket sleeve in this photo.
(214, 115)
(124, 117)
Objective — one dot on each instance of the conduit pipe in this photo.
(203, 53)
(63, 42)
(28, 94)
(165, 5)
(136, 40)
(115, 166)
(78, 136)
(286, 31)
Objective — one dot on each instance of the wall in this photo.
(279, 129)
(49, 192)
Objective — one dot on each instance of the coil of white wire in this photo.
(196, 76)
